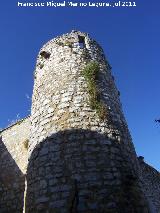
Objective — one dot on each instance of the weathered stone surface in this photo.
(150, 180)
(82, 155)
(13, 164)
(77, 162)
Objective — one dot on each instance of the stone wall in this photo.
(16, 140)
(150, 178)
(75, 160)
(13, 163)
(79, 162)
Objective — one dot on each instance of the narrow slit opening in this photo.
(81, 41)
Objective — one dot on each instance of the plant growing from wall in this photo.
(60, 43)
(90, 73)
(41, 66)
(68, 43)
(26, 143)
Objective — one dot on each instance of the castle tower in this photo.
(81, 157)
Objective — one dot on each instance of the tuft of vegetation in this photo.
(26, 143)
(68, 43)
(41, 66)
(90, 73)
(60, 43)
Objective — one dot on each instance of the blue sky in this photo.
(130, 38)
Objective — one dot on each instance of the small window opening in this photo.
(81, 41)
(45, 54)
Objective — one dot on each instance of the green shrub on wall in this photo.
(26, 144)
(90, 73)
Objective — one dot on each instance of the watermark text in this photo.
(77, 4)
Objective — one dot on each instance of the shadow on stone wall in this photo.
(82, 171)
(12, 183)
(151, 184)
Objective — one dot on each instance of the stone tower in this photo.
(81, 157)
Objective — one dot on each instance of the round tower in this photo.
(81, 157)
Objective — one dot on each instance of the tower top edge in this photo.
(72, 36)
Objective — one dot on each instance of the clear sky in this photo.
(130, 38)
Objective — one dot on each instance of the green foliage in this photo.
(41, 66)
(91, 71)
(90, 74)
(68, 43)
(26, 144)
